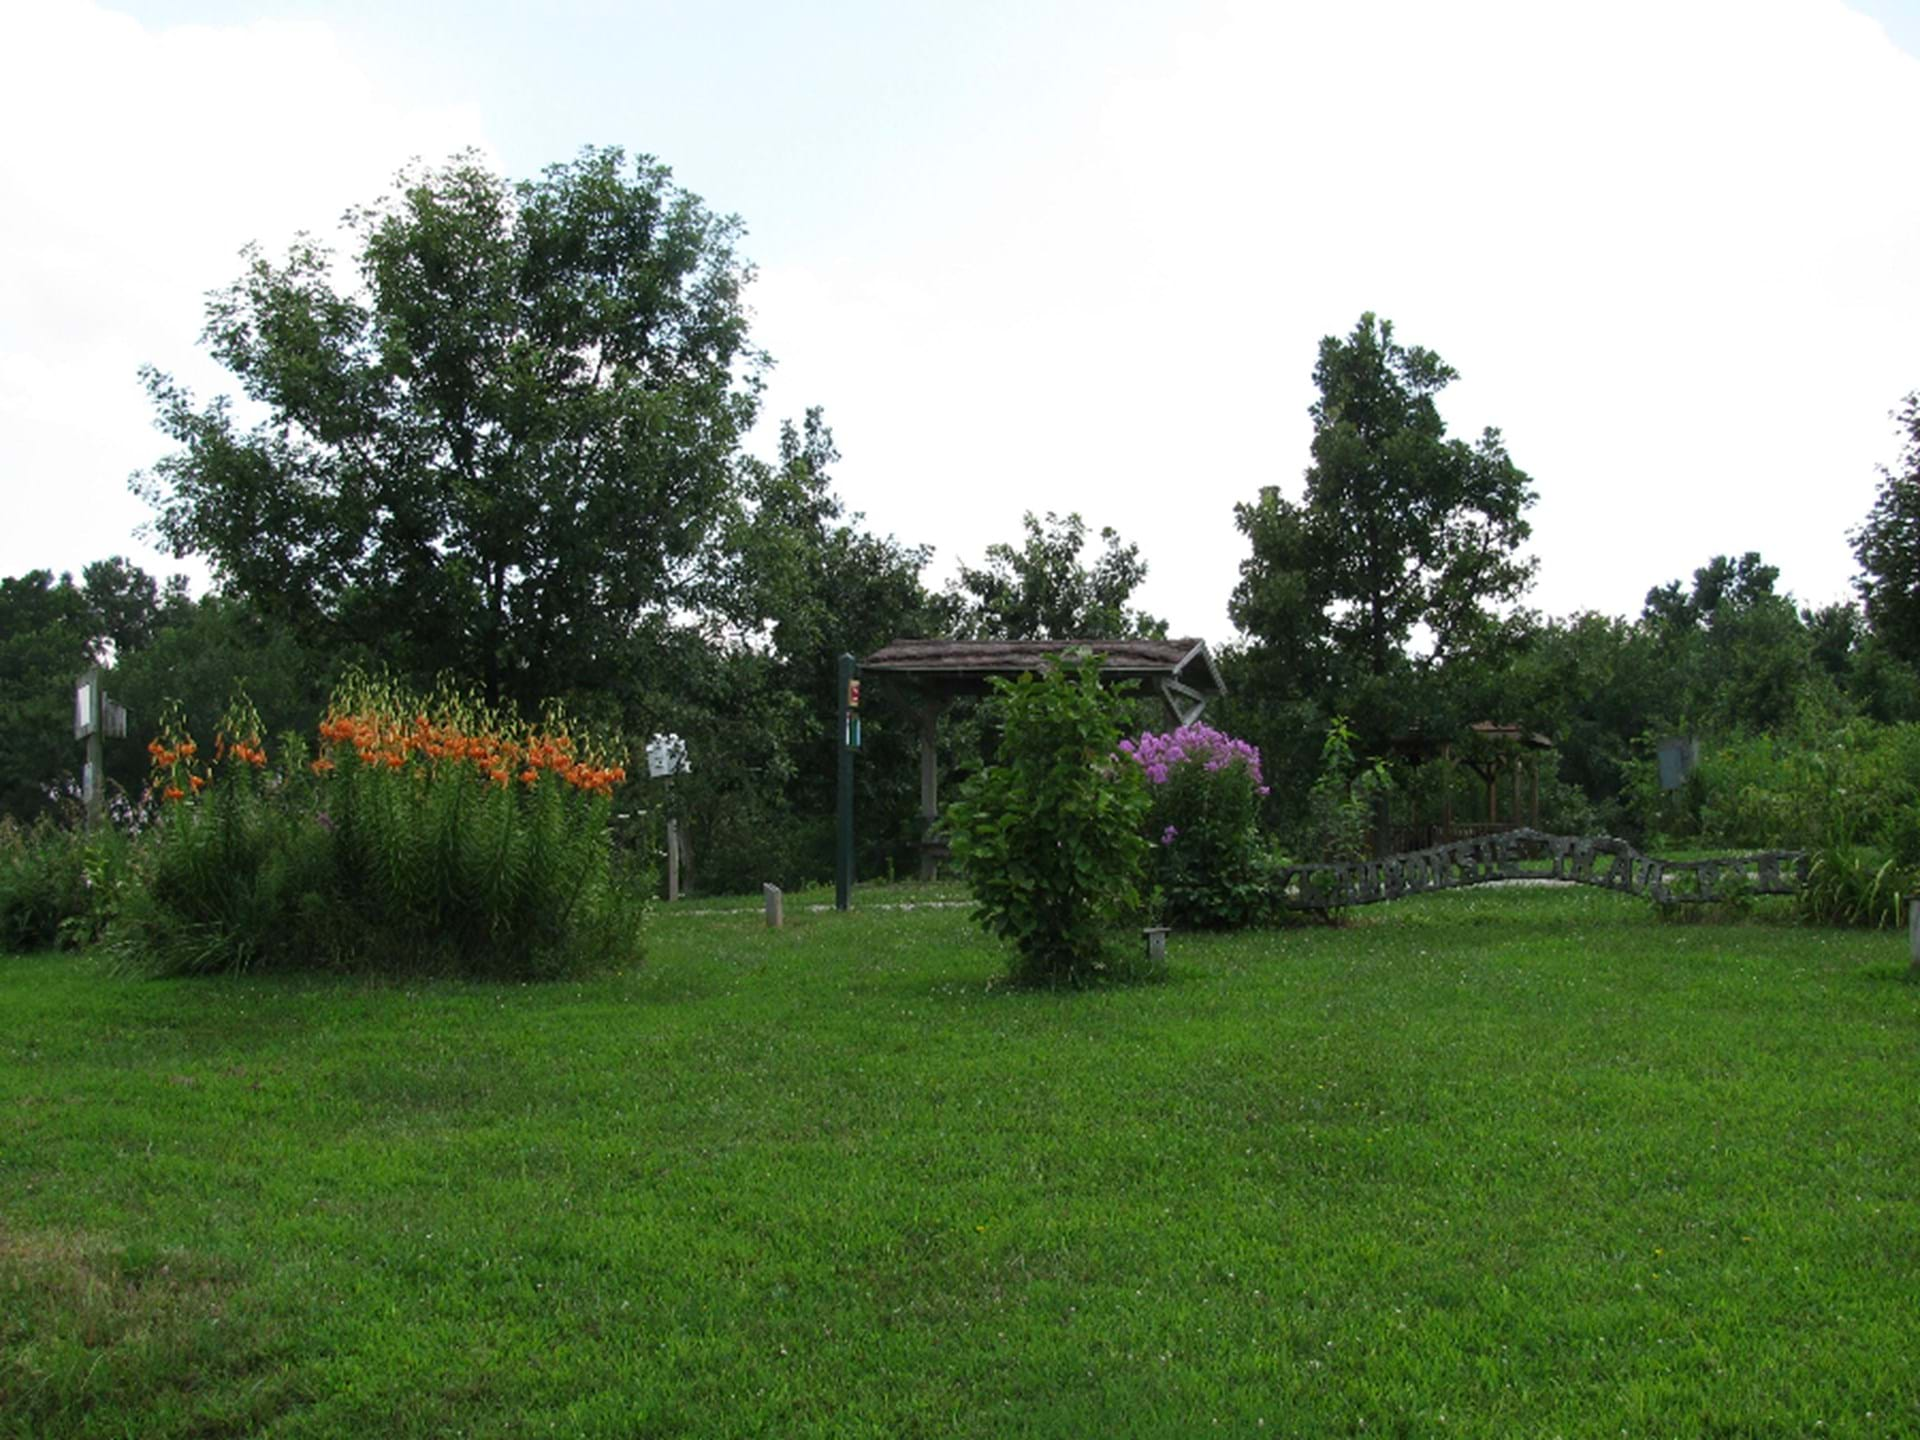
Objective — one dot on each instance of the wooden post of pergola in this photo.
(1181, 672)
(930, 708)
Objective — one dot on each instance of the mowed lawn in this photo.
(1517, 1163)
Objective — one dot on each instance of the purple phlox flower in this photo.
(1166, 835)
(1198, 744)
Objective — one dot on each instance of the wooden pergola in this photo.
(1494, 750)
(1181, 672)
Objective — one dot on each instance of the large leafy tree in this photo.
(1390, 585)
(1887, 546)
(1733, 652)
(500, 451)
(1403, 533)
(1044, 590)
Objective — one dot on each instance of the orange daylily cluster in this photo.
(377, 739)
(382, 726)
(177, 769)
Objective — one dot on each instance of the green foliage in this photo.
(1850, 884)
(1887, 545)
(1344, 797)
(1050, 834)
(46, 640)
(501, 452)
(800, 584)
(1402, 533)
(229, 880)
(197, 653)
(1829, 778)
(59, 884)
(1042, 591)
(1731, 653)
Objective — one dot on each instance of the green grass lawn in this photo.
(1511, 1163)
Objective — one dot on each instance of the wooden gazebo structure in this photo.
(1493, 750)
(1181, 672)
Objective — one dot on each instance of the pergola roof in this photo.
(1183, 668)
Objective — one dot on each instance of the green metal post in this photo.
(843, 849)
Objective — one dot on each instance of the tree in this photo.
(1392, 577)
(46, 640)
(800, 582)
(1733, 652)
(1401, 530)
(502, 450)
(1042, 591)
(1887, 546)
(126, 606)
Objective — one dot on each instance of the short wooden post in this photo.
(1156, 944)
(1913, 934)
(774, 918)
(673, 860)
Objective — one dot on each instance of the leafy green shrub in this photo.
(1208, 864)
(1828, 778)
(1342, 801)
(58, 884)
(423, 836)
(1050, 835)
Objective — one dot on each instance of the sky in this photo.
(1064, 255)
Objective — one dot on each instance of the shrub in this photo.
(424, 835)
(1801, 788)
(1207, 861)
(1050, 835)
(1856, 885)
(57, 884)
(1343, 798)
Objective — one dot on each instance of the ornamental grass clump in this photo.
(1050, 835)
(1209, 864)
(424, 834)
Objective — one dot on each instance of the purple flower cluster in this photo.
(1216, 750)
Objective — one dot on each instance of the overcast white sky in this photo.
(1056, 254)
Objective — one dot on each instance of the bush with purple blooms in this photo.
(1209, 863)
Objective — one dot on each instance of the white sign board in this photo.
(667, 755)
(83, 709)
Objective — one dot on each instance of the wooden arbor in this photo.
(1493, 751)
(1182, 672)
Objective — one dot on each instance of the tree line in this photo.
(513, 453)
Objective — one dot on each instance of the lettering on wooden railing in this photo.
(1600, 861)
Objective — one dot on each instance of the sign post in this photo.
(94, 718)
(849, 734)
(666, 758)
